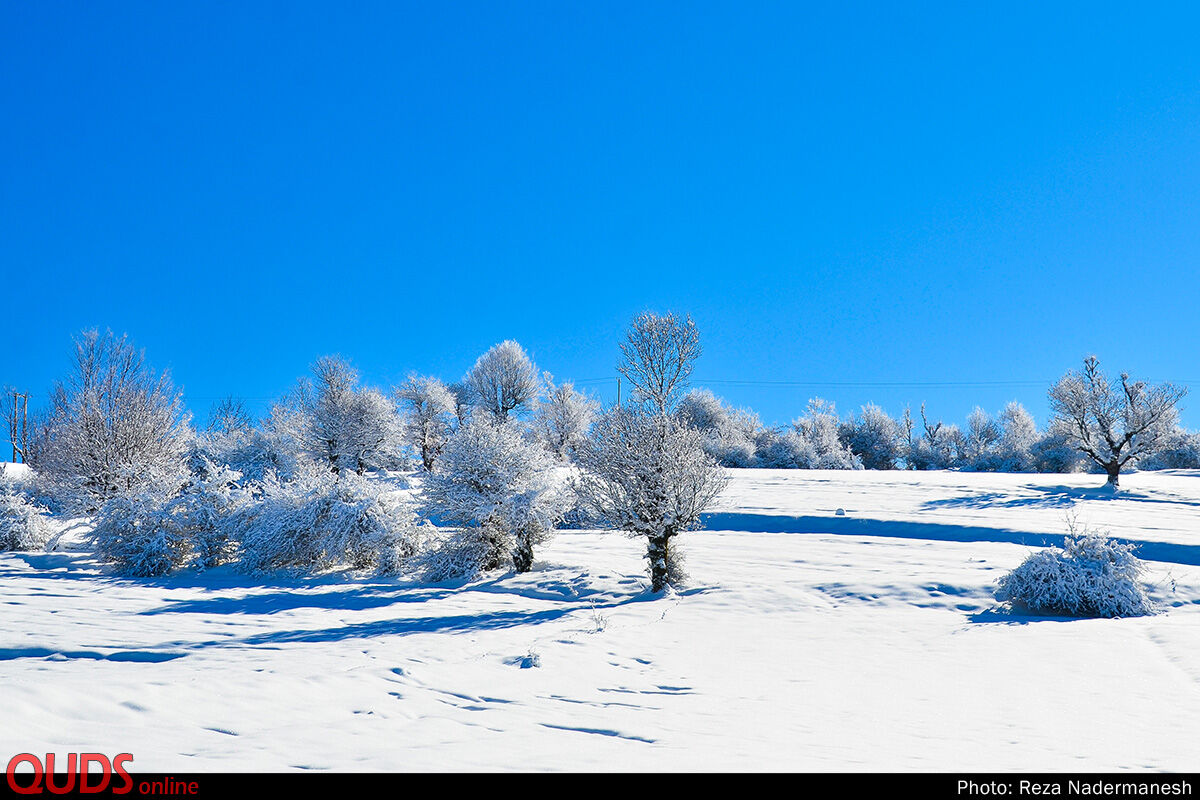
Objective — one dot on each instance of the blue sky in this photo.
(898, 203)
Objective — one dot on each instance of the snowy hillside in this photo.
(806, 641)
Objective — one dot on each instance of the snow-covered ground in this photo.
(807, 641)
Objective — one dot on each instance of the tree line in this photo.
(502, 458)
(448, 480)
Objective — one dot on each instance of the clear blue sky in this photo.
(840, 194)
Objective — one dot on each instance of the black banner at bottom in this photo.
(350, 784)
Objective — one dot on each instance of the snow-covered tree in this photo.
(648, 474)
(1018, 435)
(563, 419)
(504, 380)
(229, 415)
(980, 440)
(875, 438)
(16, 415)
(657, 357)
(232, 439)
(24, 525)
(1113, 423)
(504, 488)
(319, 521)
(430, 415)
(113, 426)
(729, 433)
(939, 447)
(332, 419)
(463, 397)
(819, 431)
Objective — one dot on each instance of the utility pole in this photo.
(18, 424)
(618, 392)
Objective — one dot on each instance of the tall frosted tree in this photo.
(503, 380)
(499, 486)
(1113, 422)
(658, 356)
(430, 415)
(648, 474)
(114, 425)
(563, 419)
(1018, 435)
(331, 418)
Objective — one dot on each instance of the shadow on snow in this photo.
(933, 531)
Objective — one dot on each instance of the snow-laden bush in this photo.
(140, 536)
(24, 525)
(319, 521)
(467, 552)
(819, 432)
(1018, 435)
(875, 438)
(160, 529)
(941, 450)
(1180, 450)
(729, 433)
(776, 448)
(1091, 576)
(1054, 453)
(491, 478)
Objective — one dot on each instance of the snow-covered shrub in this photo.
(137, 533)
(1053, 452)
(24, 525)
(467, 552)
(979, 450)
(163, 527)
(1092, 576)
(319, 521)
(819, 431)
(729, 433)
(491, 478)
(875, 438)
(1180, 450)
(647, 474)
(782, 448)
(205, 508)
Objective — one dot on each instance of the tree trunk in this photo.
(657, 553)
(1114, 475)
(523, 552)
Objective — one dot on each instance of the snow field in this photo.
(805, 641)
